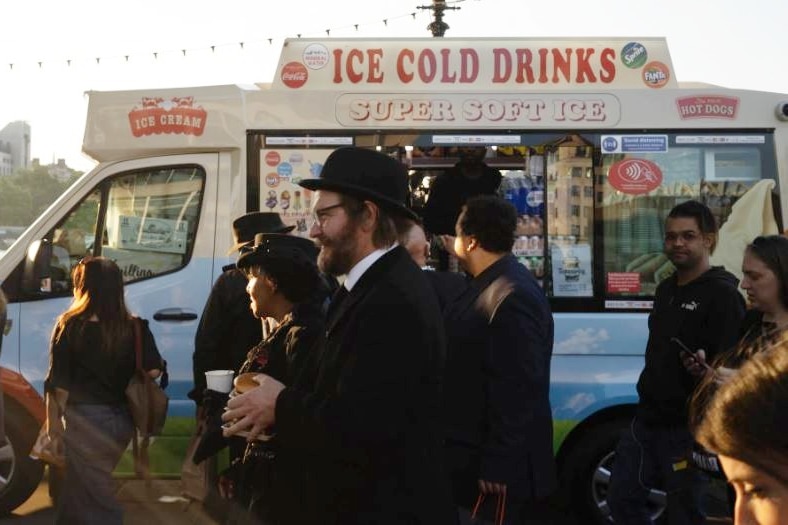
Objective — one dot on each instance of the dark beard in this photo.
(342, 249)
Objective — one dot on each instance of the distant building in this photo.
(58, 171)
(14, 147)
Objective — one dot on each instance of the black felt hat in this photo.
(366, 175)
(299, 251)
(247, 226)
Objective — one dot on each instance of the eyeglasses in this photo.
(686, 236)
(321, 215)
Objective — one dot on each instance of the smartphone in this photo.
(681, 345)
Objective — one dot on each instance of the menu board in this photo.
(280, 172)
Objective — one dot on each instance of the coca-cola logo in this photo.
(294, 75)
(272, 158)
(634, 176)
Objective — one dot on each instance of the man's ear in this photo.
(370, 216)
(472, 243)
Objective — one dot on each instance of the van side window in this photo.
(151, 220)
(72, 240)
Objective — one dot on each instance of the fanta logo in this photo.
(708, 107)
(272, 180)
(294, 75)
(655, 74)
(634, 176)
(156, 115)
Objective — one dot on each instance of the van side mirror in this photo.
(36, 278)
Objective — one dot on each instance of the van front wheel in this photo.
(585, 474)
(19, 474)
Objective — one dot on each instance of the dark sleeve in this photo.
(151, 358)
(437, 207)
(300, 342)
(59, 375)
(517, 377)
(208, 338)
(724, 323)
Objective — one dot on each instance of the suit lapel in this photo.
(362, 287)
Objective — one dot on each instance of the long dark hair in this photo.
(98, 291)
(747, 418)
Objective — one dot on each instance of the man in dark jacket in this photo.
(367, 419)
(228, 329)
(499, 440)
(701, 307)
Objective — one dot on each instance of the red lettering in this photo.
(503, 65)
(584, 70)
(469, 59)
(608, 60)
(524, 59)
(403, 75)
(375, 75)
(428, 66)
(337, 66)
(445, 77)
(561, 64)
(352, 75)
(543, 65)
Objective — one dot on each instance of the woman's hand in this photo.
(695, 363)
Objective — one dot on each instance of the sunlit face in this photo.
(417, 245)
(461, 242)
(760, 283)
(685, 245)
(335, 234)
(261, 290)
(760, 498)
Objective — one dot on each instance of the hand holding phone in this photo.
(693, 360)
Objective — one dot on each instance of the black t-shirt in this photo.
(93, 375)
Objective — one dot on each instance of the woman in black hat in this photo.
(284, 283)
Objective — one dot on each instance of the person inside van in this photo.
(450, 190)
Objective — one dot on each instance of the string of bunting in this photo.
(241, 45)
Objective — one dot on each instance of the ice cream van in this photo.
(595, 138)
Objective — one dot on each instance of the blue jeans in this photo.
(655, 456)
(95, 438)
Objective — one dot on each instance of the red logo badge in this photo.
(708, 106)
(272, 158)
(156, 115)
(294, 75)
(634, 176)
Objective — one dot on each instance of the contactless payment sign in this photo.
(634, 176)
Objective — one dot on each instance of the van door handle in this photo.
(174, 314)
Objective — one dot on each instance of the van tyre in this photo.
(585, 473)
(20, 474)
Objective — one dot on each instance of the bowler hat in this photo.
(366, 175)
(296, 250)
(247, 226)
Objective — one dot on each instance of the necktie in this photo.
(336, 300)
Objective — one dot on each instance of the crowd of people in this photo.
(386, 392)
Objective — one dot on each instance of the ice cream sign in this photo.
(157, 115)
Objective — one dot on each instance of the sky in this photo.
(731, 43)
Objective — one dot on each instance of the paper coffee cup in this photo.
(219, 380)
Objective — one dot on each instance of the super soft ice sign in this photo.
(479, 64)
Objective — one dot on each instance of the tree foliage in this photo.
(25, 194)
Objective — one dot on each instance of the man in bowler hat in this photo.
(367, 417)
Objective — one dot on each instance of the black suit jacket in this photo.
(499, 422)
(369, 417)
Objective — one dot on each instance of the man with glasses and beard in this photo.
(698, 307)
(366, 416)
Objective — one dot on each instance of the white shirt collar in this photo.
(363, 265)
